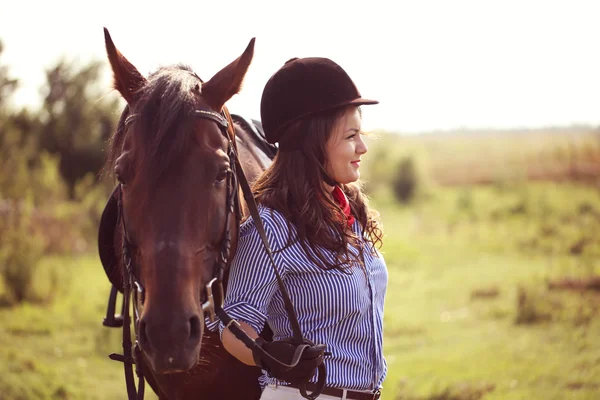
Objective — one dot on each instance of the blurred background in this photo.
(484, 162)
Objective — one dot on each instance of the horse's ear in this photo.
(127, 80)
(228, 81)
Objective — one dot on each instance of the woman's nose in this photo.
(361, 147)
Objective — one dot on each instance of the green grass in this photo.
(60, 350)
(443, 343)
(442, 340)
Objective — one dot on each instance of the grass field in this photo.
(60, 351)
(469, 312)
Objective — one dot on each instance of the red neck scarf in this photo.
(342, 200)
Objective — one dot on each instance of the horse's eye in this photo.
(221, 176)
(122, 168)
(120, 173)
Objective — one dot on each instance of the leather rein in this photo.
(133, 290)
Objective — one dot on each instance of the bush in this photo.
(20, 253)
(405, 182)
(532, 307)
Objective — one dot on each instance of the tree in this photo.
(7, 85)
(16, 148)
(77, 119)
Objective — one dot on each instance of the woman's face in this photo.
(345, 147)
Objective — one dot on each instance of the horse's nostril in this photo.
(142, 336)
(195, 329)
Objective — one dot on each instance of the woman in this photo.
(321, 231)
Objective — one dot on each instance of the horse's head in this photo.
(175, 173)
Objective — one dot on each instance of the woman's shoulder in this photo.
(276, 225)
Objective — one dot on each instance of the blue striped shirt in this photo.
(340, 309)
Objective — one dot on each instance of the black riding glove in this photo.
(288, 361)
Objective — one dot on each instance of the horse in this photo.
(173, 221)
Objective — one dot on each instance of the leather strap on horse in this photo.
(247, 191)
(289, 308)
(234, 326)
(226, 124)
(128, 358)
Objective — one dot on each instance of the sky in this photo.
(433, 65)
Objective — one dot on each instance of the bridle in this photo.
(133, 288)
(215, 285)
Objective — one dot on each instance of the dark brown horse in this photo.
(174, 171)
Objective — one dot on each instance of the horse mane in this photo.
(163, 114)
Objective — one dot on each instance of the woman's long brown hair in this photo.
(293, 185)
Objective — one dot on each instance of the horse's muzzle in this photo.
(171, 347)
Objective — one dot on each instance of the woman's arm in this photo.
(236, 347)
(251, 286)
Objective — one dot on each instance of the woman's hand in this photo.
(287, 361)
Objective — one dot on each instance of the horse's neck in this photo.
(252, 159)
